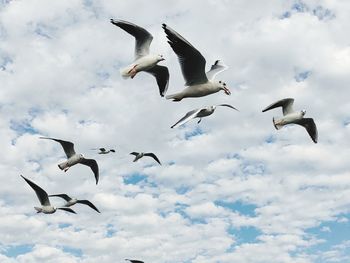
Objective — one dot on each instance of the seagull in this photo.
(104, 151)
(198, 82)
(74, 158)
(143, 60)
(140, 155)
(73, 201)
(293, 117)
(199, 113)
(46, 207)
(134, 260)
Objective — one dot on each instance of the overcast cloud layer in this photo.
(231, 189)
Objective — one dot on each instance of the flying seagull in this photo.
(46, 207)
(198, 82)
(134, 260)
(199, 113)
(74, 158)
(72, 201)
(140, 155)
(104, 151)
(143, 60)
(293, 117)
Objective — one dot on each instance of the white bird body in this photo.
(71, 202)
(293, 117)
(198, 90)
(198, 82)
(143, 60)
(288, 119)
(43, 197)
(46, 209)
(139, 156)
(141, 64)
(199, 113)
(142, 154)
(73, 160)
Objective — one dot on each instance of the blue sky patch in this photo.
(16, 250)
(73, 251)
(238, 206)
(134, 178)
(246, 234)
(301, 76)
(196, 132)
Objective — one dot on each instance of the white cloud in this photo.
(59, 77)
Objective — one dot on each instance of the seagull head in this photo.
(224, 87)
(303, 112)
(160, 58)
(81, 156)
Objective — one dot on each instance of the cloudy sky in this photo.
(231, 189)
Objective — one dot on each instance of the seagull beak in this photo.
(227, 91)
(162, 59)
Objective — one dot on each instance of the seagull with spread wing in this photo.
(140, 155)
(199, 113)
(143, 60)
(198, 82)
(72, 201)
(293, 117)
(46, 207)
(73, 158)
(104, 151)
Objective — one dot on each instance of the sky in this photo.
(230, 189)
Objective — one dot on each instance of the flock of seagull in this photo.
(198, 83)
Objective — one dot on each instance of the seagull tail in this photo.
(275, 123)
(174, 97)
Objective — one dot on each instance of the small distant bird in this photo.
(140, 155)
(104, 151)
(143, 60)
(199, 113)
(293, 117)
(74, 158)
(134, 260)
(73, 201)
(192, 65)
(46, 207)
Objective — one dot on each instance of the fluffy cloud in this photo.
(230, 189)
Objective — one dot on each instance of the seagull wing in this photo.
(153, 156)
(64, 196)
(191, 60)
(142, 37)
(134, 153)
(189, 116)
(310, 126)
(67, 209)
(93, 165)
(40, 193)
(228, 105)
(87, 202)
(134, 260)
(286, 104)
(102, 149)
(161, 74)
(67, 146)
(215, 69)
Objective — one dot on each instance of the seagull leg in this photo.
(133, 71)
